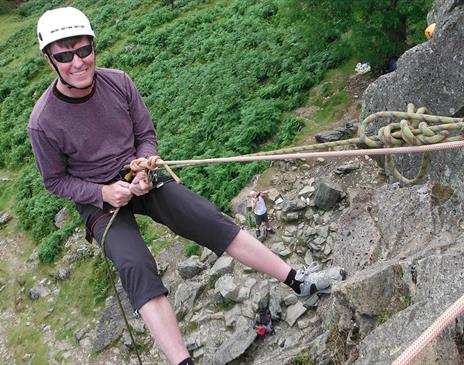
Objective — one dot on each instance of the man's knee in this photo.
(141, 281)
(135, 267)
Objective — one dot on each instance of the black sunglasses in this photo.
(67, 56)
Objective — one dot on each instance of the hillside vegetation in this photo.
(220, 78)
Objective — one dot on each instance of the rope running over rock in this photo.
(418, 130)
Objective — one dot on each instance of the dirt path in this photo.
(13, 249)
(9, 253)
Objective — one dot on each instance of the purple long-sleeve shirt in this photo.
(79, 144)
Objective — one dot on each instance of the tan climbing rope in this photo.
(326, 154)
(421, 132)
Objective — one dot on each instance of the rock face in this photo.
(401, 245)
(111, 324)
(440, 285)
(429, 75)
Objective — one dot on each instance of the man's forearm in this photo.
(75, 189)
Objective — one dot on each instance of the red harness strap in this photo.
(104, 215)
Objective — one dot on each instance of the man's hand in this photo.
(140, 185)
(117, 194)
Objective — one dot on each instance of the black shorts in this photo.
(260, 218)
(184, 212)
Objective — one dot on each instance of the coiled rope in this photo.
(421, 132)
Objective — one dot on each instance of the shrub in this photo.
(192, 249)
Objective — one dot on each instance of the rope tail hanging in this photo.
(113, 284)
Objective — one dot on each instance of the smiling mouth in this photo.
(79, 73)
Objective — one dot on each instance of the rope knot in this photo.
(151, 163)
(139, 164)
(148, 163)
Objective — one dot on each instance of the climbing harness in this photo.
(412, 130)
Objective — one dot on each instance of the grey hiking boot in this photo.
(316, 282)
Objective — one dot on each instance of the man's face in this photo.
(78, 72)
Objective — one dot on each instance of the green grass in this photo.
(8, 24)
(5, 294)
(153, 233)
(191, 249)
(330, 98)
(382, 317)
(332, 108)
(343, 70)
(304, 358)
(71, 310)
(26, 339)
(6, 195)
(77, 297)
(224, 306)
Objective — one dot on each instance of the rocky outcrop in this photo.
(429, 75)
(439, 284)
(401, 245)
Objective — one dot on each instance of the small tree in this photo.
(374, 30)
(384, 29)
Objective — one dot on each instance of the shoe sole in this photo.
(313, 299)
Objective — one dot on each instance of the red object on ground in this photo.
(260, 330)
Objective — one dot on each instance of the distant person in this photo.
(391, 65)
(88, 125)
(258, 205)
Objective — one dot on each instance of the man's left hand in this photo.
(141, 184)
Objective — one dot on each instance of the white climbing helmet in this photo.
(62, 23)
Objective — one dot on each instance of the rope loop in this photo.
(139, 164)
(148, 163)
(151, 163)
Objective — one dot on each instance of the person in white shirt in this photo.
(260, 210)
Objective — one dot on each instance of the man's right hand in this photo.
(117, 194)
